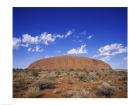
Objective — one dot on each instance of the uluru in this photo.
(69, 62)
(69, 77)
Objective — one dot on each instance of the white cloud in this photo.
(30, 42)
(35, 49)
(68, 33)
(28, 39)
(25, 45)
(112, 49)
(72, 51)
(89, 37)
(29, 49)
(16, 42)
(60, 36)
(106, 52)
(38, 49)
(80, 50)
(46, 38)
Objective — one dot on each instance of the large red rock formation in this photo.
(69, 62)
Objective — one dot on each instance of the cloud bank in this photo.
(45, 38)
(106, 52)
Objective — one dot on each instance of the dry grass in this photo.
(32, 92)
(69, 83)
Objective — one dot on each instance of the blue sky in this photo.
(99, 33)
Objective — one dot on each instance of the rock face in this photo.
(69, 62)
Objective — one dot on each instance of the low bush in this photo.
(105, 89)
(46, 85)
(92, 76)
(83, 76)
(35, 73)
